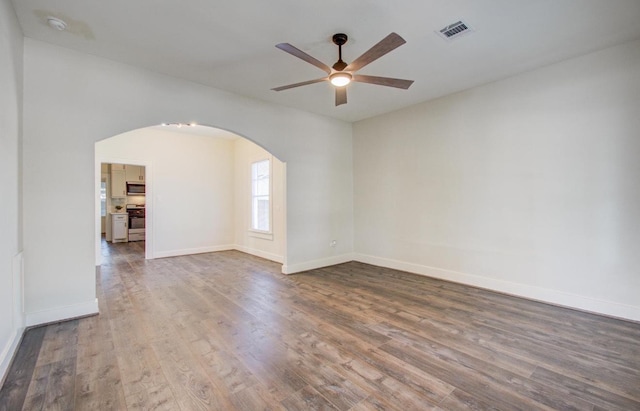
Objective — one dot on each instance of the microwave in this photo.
(135, 188)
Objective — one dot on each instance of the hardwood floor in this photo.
(227, 331)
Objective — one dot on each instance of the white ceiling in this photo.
(231, 44)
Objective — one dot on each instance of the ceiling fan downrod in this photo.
(339, 39)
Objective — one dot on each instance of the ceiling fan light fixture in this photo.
(340, 79)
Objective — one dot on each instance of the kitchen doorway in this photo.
(124, 207)
(123, 195)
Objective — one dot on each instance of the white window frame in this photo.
(254, 232)
(104, 205)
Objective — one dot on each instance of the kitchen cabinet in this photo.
(134, 173)
(119, 228)
(118, 183)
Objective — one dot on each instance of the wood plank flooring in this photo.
(227, 331)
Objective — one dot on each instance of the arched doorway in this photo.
(198, 191)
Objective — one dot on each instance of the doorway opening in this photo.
(123, 202)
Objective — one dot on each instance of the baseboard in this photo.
(545, 295)
(260, 253)
(8, 352)
(312, 265)
(62, 313)
(17, 320)
(17, 268)
(189, 251)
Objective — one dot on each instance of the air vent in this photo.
(455, 30)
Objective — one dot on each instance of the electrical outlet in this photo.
(333, 243)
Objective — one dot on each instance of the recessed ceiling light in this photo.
(179, 125)
(56, 23)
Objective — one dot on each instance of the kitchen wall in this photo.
(11, 83)
(104, 177)
(72, 100)
(529, 185)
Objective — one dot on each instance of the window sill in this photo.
(264, 235)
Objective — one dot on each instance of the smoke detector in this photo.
(454, 30)
(56, 24)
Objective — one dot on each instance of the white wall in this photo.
(72, 100)
(529, 185)
(271, 247)
(11, 50)
(192, 187)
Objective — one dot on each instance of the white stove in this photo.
(136, 214)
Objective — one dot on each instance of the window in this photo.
(103, 198)
(260, 191)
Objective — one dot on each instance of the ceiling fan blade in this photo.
(383, 81)
(304, 56)
(341, 96)
(387, 44)
(304, 83)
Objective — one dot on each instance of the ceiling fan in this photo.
(341, 73)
